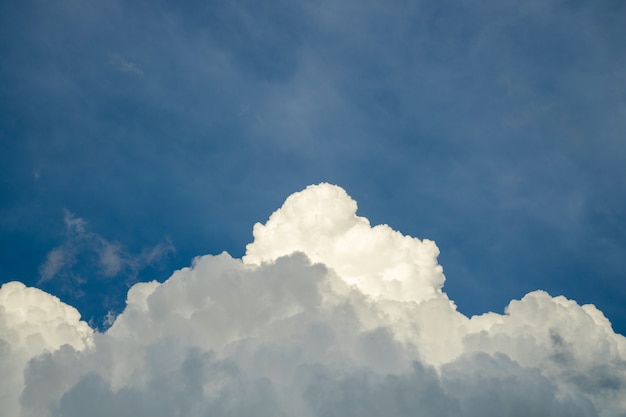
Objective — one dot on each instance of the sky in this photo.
(141, 140)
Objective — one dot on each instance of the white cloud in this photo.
(324, 316)
(321, 221)
(32, 322)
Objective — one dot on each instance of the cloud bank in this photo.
(325, 315)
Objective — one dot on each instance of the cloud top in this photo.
(33, 322)
(321, 222)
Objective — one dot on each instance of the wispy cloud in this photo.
(109, 258)
(123, 65)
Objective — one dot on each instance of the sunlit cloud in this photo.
(325, 315)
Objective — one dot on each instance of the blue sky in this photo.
(155, 132)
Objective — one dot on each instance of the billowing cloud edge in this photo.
(324, 315)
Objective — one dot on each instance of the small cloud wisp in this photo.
(110, 257)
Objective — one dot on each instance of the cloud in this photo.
(380, 261)
(325, 315)
(32, 322)
(121, 64)
(110, 258)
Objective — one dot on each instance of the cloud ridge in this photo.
(299, 326)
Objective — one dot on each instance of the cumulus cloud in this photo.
(109, 258)
(321, 221)
(32, 322)
(325, 315)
